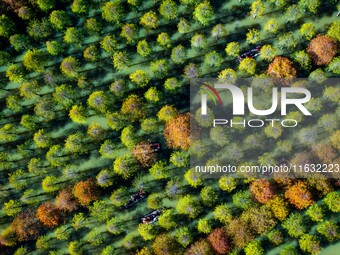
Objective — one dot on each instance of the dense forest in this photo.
(95, 138)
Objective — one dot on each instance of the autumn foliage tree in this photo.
(86, 191)
(299, 195)
(26, 226)
(49, 215)
(262, 190)
(177, 132)
(322, 49)
(65, 201)
(144, 154)
(219, 241)
(164, 244)
(281, 67)
(200, 247)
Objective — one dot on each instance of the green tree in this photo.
(75, 248)
(39, 29)
(183, 26)
(228, 75)
(75, 143)
(121, 60)
(34, 60)
(105, 178)
(95, 131)
(93, 26)
(167, 219)
(275, 237)
(268, 52)
(168, 9)
(222, 213)
(15, 73)
(78, 221)
(149, 125)
(118, 87)
(332, 200)
(7, 26)
(315, 212)
(334, 65)
(191, 71)
(114, 226)
(149, 20)
(198, 41)
(128, 137)
(129, 32)
(303, 59)
(213, 59)
(218, 31)
(203, 12)
(79, 7)
(253, 36)
(125, 166)
(272, 26)
(77, 114)
(4, 58)
(140, 78)
(99, 101)
(178, 55)
(257, 9)
(254, 248)
(50, 184)
(143, 48)
(164, 40)
(293, 13)
(274, 132)
(61, 233)
(12, 207)
(307, 30)
(153, 95)
(133, 106)
(172, 84)
(91, 53)
(295, 225)
(113, 11)
(42, 139)
(147, 231)
(160, 68)
(329, 230)
(53, 47)
(109, 44)
(46, 5)
(109, 250)
(29, 89)
(183, 236)
(70, 67)
(204, 226)
(188, 205)
(242, 200)
(310, 5)
(208, 196)
(60, 19)
(115, 120)
(159, 170)
(233, 49)
(193, 178)
(248, 66)
(73, 35)
(227, 183)
(56, 156)
(20, 42)
(333, 30)
(310, 244)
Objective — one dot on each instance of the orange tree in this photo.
(49, 215)
(299, 196)
(262, 190)
(86, 191)
(65, 201)
(144, 154)
(26, 226)
(322, 49)
(177, 132)
(281, 67)
(219, 241)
